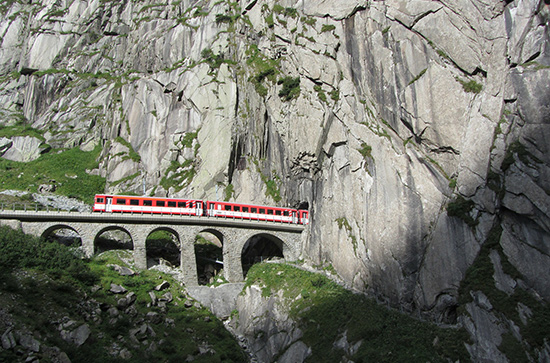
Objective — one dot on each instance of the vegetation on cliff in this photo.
(326, 313)
(55, 304)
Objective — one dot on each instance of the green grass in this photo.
(479, 277)
(343, 223)
(188, 138)
(289, 12)
(132, 154)
(184, 176)
(21, 130)
(417, 77)
(325, 310)
(228, 192)
(327, 28)
(67, 168)
(263, 69)
(320, 93)
(43, 283)
(18, 251)
(366, 151)
(272, 187)
(213, 60)
(470, 86)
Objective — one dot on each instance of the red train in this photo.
(153, 205)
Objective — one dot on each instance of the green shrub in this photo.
(228, 192)
(224, 18)
(461, 208)
(290, 12)
(327, 28)
(365, 151)
(320, 93)
(335, 95)
(470, 86)
(291, 88)
(213, 60)
(21, 251)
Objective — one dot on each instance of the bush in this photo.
(461, 208)
(365, 151)
(291, 88)
(327, 28)
(21, 251)
(470, 86)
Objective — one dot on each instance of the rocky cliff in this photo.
(416, 132)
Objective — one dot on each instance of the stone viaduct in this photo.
(233, 234)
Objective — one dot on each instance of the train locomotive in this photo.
(200, 208)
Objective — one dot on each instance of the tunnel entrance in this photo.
(64, 235)
(162, 247)
(209, 257)
(113, 239)
(259, 248)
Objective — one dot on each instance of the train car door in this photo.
(109, 205)
(199, 209)
(305, 217)
(211, 209)
(294, 218)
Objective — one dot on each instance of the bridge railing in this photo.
(32, 207)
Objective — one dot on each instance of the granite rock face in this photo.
(410, 129)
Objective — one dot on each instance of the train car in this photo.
(253, 212)
(134, 204)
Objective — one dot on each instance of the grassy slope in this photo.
(43, 283)
(326, 310)
(67, 168)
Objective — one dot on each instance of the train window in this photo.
(121, 201)
(134, 202)
(237, 209)
(227, 207)
(160, 203)
(148, 203)
(277, 212)
(171, 204)
(262, 211)
(254, 210)
(285, 213)
(99, 200)
(181, 204)
(245, 209)
(270, 211)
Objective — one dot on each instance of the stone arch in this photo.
(57, 226)
(260, 247)
(233, 255)
(163, 252)
(209, 254)
(100, 245)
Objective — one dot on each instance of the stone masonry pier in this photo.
(234, 234)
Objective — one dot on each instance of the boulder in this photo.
(23, 148)
(162, 286)
(117, 289)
